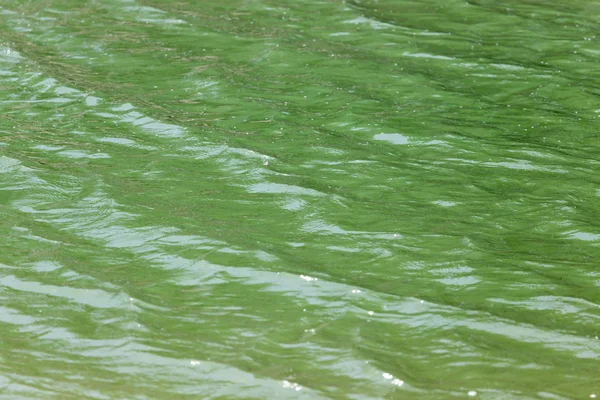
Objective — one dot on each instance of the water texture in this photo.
(276, 199)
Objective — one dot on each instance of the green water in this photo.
(277, 199)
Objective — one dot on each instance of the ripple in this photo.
(91, 297)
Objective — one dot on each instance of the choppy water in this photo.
(299, 199)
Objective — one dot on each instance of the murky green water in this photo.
(277, 199)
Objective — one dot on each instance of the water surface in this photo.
(299, 199)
